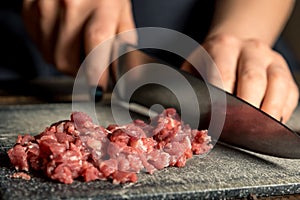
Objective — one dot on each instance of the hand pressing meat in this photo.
(78, 148)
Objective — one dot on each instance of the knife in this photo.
(244, 126)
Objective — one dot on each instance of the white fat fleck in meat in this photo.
(60, 127)
(172, 122)
(207, 139)
(21, 175)
(109, 132)
(74, 158)
(141, 145)
(67, 145)
(187, 141)
(98, 153)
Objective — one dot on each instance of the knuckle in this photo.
(258, 44)
(228, 77)
(220, 42)
(279, 74)
(96, 35)
(251, 75)
(279, 58)
(225, 39)
(228, 80)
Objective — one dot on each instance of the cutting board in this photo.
(223, 173)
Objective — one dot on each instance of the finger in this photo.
(101, 27)
(252, 76)
(200, 65)
(67, 49)
(292, 98)
(291, 102)
(126, 23)
(126, 35)
(225, 52)
(48, 18)
(277, 91)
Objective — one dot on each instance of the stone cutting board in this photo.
(225, 173)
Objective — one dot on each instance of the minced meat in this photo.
(78, 148)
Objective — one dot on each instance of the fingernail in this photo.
(96, 93)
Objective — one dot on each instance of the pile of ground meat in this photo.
(79, 149)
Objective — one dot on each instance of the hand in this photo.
(63, 29)
(254, 72)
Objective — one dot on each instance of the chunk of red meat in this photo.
(68, 157)
(134, 131)
(129, 163)
(123, 163)
(33, 153)
(145, 145)
(123, 177)
(119, 136)
(21, 175)
(81, 120)
(91, 173)
(50, 147)
(181, 161)
(148, 166)
(159, 159)
(108, 167)
(112, 127)
(63, 174)
(171, 112)
(147, 128)
(60, 127)
(19, 139)
(72, 168)
(200, 143)
(69, 127)
(114, 149)
(62, 137)
(135, 162)
(166, 130)
(175, 150)
(48, 133)
(24, 140)
(18, 157)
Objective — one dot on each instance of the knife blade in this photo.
(244, 127)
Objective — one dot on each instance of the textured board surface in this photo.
(223, 173)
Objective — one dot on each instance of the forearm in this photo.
(251, 19)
